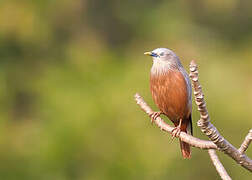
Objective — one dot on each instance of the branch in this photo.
(218, 142)
(193, 141)
(246, 142)
(219, 167)
(209, 129)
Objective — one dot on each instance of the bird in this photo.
(172, 93)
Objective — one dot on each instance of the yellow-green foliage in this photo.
(69, 71)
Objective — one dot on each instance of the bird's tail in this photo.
(185, 148)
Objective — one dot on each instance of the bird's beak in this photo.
(151, 54)
(148, 53)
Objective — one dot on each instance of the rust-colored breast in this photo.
(169, 92)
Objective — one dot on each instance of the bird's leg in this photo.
(154, 115)
(176, 131)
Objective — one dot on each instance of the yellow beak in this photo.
(148, 53)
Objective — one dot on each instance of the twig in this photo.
(246, 142)
(209, 129)
(193, 141)
(219, 167)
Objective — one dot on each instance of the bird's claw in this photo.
(175, 132)
(154, 116)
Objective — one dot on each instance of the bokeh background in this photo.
(69, 70)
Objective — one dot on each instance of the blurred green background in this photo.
(69, 71)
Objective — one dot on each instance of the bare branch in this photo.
(209, 129)
(218, 142)
(193, 141)
(246, 142)
(219, 167)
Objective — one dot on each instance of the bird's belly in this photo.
(170, 94)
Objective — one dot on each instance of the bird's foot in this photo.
(175, 132)
(154, 116)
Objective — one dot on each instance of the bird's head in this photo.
(163, 60)
(162, 54)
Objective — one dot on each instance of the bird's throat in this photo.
(161, 67)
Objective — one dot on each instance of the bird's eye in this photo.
(162, 54)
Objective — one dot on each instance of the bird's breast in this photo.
(170, 93)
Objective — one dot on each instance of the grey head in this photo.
(164, 58)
